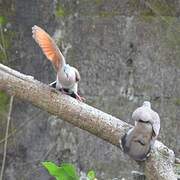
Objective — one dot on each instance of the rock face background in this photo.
(126, 52)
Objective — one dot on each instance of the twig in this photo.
(6, 137)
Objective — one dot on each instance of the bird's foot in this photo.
(78, 97)
(53, 85)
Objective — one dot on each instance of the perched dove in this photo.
(67, 76)
(138, 141)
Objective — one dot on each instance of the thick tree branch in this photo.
(158, 166)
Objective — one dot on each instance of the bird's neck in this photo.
(65, 69)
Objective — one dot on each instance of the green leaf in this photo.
(70, 171)
(52, 168)
(64, 172)
(91, 175)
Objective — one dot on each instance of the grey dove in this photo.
(138, 141)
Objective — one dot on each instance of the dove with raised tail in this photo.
(67, 76)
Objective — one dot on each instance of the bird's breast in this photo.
(67, 80)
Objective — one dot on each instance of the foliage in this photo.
(91, 175)
(3, 20)
(6, 37)
(66, 171)
(5, 43)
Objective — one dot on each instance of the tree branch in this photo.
(158, 166)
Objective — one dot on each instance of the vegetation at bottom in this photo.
(65, 171)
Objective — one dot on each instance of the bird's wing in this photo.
(156, 124)
(48, 46)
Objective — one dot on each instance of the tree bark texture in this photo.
(158, 166)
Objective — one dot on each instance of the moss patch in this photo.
(148, 10)
(162, 14)
(60, 11)
(3, 20)
(108, 14)
(163, 8)
(69, 9)
(98, 2)
(177, 101)
(154, 7)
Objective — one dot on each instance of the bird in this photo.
(67, 77)
(139, 140)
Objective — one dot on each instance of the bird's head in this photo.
(147, 104)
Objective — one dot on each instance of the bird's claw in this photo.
(80, 98)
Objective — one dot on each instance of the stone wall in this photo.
(126, 52)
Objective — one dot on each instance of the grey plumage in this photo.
(139, 140)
